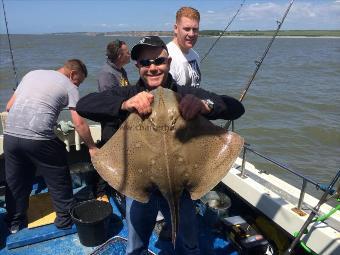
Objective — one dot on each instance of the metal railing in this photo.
(305, 179)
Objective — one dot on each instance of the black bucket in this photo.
(92, 220)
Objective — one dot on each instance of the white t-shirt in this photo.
(184, 68)
(40, 97)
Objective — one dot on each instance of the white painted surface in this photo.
(321, 238)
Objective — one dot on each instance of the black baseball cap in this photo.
(151, 40)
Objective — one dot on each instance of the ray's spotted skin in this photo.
(193, 155)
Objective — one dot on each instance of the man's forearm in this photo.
(225, 107)
(85, 134)
(82, 128)
(10, 103)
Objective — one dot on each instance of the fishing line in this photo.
(258, 63)
(10, 47)
(222, 33)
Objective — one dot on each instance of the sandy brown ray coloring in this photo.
(167, 152)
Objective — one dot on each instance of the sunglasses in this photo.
(158, 61)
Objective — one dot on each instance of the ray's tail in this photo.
(174, 212)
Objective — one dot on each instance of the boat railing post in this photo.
(302, 193)
(242, 175)
(77, 140)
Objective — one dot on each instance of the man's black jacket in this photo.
(106, 106)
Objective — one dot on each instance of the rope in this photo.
(10, 47)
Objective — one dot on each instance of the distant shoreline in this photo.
(248, 36)
(279, 36)
(216, 33)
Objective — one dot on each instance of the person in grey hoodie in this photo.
(112, 74)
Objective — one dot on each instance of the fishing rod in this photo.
(314, 212)
(222, 33)
(10, 47)
(259, 63)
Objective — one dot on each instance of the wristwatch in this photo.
(209, 103)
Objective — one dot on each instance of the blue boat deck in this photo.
(50, 240)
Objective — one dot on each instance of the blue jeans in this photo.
(141, 220)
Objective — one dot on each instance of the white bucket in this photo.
(3, 116)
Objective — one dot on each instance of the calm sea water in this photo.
(292, 108)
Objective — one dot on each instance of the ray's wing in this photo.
(207, 154)
(129, 161)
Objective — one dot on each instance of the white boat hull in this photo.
(257, 190)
